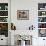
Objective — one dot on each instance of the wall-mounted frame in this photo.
(22, 14)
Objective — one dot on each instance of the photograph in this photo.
(23, 14)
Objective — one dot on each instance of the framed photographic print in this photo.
(22, 14)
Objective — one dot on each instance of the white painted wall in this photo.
(24, 5)
(32, 6)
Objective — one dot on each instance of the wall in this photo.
(32, 6)
(24, 5)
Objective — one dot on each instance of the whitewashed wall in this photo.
(24, 5)
(32, 6)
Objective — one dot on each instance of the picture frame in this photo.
(22, 14)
